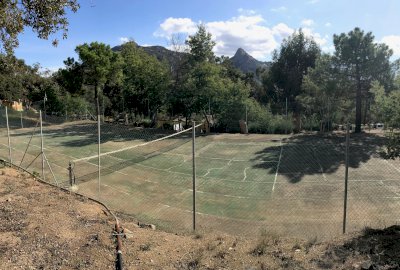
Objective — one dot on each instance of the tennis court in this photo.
(288, 185)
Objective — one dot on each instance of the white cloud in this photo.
(282, 30)
(328, 24)
(393, 42)
(249, 32)
(321, 41)
(312, 2)
(279, 9)
(176, 25)
(307, 22)
(123, 40)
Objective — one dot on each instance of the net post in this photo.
(22, 123)
(9, 138)
(346, 179)
(70, 173)
(42, 144)
(98, 145)
(194, 173)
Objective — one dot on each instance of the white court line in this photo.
(245, 175)
(277, 167)
(219, 168)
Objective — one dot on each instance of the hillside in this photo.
(42, 227)
(241, 60)
(247, 63)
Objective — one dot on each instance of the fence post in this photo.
(194, 173)
(346, 178)
(42, 145)
(9, 138)
(22, 123)
(98, 146)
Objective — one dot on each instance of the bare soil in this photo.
(42, 227)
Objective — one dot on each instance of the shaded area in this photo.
(305, 155)
(83, 134)
(380, 246)
(121, 160)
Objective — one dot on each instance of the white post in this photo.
(9, 139)
(22, 124)
(42, 145)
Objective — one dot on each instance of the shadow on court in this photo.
(83, 134)
(305, 155)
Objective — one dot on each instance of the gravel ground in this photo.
(42, 227)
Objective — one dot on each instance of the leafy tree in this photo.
(362, 61)
(146, 80)
(70, 78)
(386, 106)
(100, 66)
(290, 64)
(45, 17)
(323, 98)
(201, 45)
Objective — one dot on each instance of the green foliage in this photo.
(393, 145)
(17, 79)
(386, 106)
(70, 78)
(100, 64)
(145, 80)
(290, 64)
(75, 105)
(44, 17)
(201, 45)
(323, 98)
(360, 61)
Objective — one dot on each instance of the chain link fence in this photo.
(292, 185)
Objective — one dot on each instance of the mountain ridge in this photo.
(241, 60)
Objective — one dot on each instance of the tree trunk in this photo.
(358, 103)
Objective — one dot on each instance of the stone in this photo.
(127, 233)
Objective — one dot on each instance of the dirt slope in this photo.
(42, 227)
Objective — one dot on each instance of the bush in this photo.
(393, 145)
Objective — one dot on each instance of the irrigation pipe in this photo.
(117, 225)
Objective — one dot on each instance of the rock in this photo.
(127, 233)
(144, 225)
(297, 250)
(366, 265)
(356, 266)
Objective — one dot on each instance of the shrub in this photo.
(393, 145)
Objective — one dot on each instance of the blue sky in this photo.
(255, 25)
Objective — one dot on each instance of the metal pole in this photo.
(286, 118)
(98, 144)
(42, 145)
(70, 173)
(346, 179)
(22, 124)
(246, 114)
(9, 138)
(44, 107)
(194, 174)
(103, 107)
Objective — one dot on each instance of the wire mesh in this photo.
(289, 185)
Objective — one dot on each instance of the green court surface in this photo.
(290, 185)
